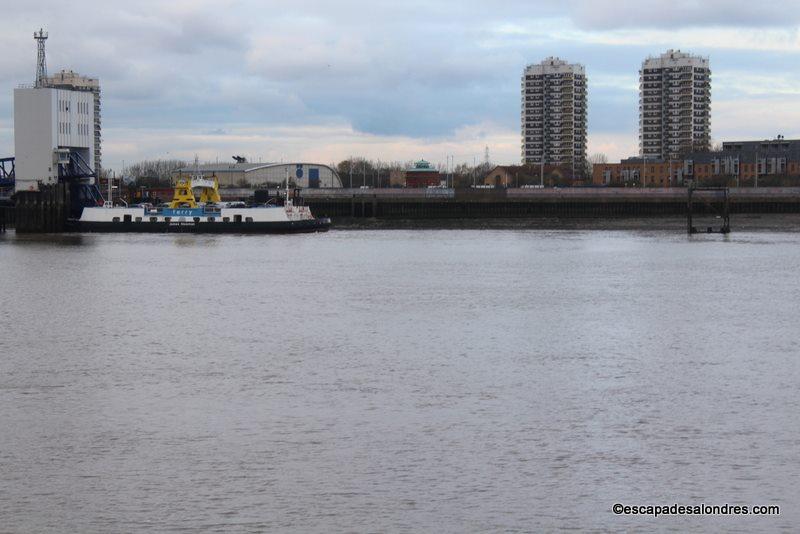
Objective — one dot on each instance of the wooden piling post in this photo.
(45, 207)
(726, 213)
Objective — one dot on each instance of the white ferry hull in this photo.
(202, 219)
(190, 226)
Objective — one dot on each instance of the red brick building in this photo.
(744, 163)
(632, 172)
(422, 174)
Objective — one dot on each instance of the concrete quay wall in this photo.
(535, 203)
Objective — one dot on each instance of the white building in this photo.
(674, 105)
(51, 128)
(305, 175)
(554, 114)
(66, 79)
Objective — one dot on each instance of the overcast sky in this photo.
(323, 80)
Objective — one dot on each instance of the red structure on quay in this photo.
(423, 174)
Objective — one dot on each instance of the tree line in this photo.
(353, 171)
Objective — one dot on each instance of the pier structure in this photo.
(44, 210)
(6, 190)
(7, 177)
(6, 208)
(718, 205)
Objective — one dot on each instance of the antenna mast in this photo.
(41, 63)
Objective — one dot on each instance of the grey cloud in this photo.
(616, 14)
(418, 68)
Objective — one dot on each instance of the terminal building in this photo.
(243, 174)
(66, 79)
(56, 127)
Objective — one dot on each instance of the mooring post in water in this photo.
(726, 214)
(689, 227)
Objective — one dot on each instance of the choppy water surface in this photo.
(447, 381)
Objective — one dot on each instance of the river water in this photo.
(397, 381)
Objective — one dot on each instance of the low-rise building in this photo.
(530, 175)
(750, 159)
(305, 175)
(423, 174)
(744, 163)
(636, 172)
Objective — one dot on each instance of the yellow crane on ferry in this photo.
(183, 196)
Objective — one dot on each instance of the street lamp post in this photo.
(450, 171)
(670, 170)
(474, 171)
(758, 169)
(541, 171)
(644, 169)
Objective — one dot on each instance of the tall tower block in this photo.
(554, 114)
(674, 105)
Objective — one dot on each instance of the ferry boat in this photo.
(206, 214)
